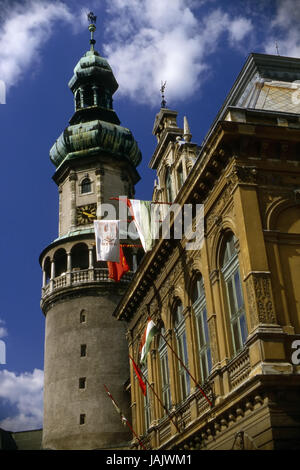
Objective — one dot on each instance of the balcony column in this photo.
(52, 275)
(44, 277)
(134, 260)
(91, 264)
(69, 268)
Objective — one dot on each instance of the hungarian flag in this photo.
(139, 376)
(150, 331)
(116, 270)
(141, 212)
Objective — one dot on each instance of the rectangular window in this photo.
(82, 382)
(83, 350)
(180, 176)
(82, 419)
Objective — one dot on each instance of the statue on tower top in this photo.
(92, 28)
(91, 17)
(162, 90)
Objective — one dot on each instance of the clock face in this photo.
(86, 214)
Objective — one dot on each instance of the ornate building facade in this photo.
(231, 309)
(228, 310)
(95, 159)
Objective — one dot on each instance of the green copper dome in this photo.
(91, 138)
(95, 127)
(92, 65)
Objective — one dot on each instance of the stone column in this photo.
(52, 275)
(69, 267)
(134, 260)
(44, 278)
(91, 265)
(95, 95)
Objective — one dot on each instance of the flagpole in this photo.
(127, 422)
(152, 202)
(182, 363)
(164, 407)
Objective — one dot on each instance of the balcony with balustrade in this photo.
(75, 266)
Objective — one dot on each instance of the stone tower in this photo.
(85, 347)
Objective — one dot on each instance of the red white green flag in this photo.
(138, 373)
(150, 331)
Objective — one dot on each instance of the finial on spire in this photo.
(92, 28)
(162, 90)
(277, 48)
(186, 130)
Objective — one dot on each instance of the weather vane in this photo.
(92, 28)
(162, 90)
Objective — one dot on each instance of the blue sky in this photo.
(197, 46)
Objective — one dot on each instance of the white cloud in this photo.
(27, 26)
(151, 41)
(284, 29)
(25, 392)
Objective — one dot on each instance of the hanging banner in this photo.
(107, 240)
(141, 211)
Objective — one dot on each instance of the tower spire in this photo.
(92, 28)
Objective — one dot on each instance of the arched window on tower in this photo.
(78, 100)
(169, 190)
(47, 269)
(80, 257)
(60, 261)
(88, 96)
(233, 293)
(164, 371)
(86, 186)
(200, 312)
(180, 333)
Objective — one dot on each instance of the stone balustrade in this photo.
(78, 277)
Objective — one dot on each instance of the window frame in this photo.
(203, 339)
(164, 373)
(146, 400)
(82, 184)
(182, 351)
(235, 302)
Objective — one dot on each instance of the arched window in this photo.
(88, 96)
(78, 100)
(200, 312)
(47, 269)
(169, 191)
(60, 261)
(80, 256)
(234, 295)
(86, 186)
(164, 371)
(179, 324)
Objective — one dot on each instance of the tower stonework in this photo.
(85, 347)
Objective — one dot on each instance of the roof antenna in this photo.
(92, 28)
(162, 90)
(277, 49)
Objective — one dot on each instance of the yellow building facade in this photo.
(230, 309)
